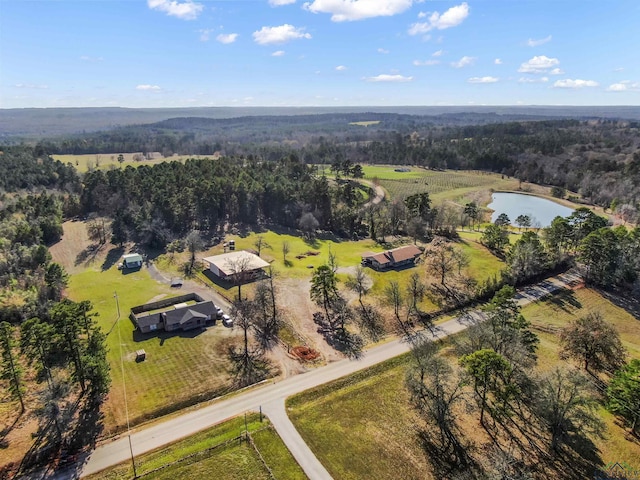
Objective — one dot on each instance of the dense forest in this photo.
(597, 158)
(51, 348)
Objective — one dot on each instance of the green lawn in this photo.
(196, 458)
(180, 369)
(363, 426)
(556, 311)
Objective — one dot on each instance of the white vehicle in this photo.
(227, 321)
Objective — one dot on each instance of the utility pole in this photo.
(124, 388)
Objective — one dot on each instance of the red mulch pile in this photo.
(305, 353)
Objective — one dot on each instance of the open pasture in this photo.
(371, 413)
(106, 161)
(216, 452)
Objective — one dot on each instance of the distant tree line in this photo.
(596, 158)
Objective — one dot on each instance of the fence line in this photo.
(252, 443)
(207, 451)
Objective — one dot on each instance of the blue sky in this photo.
(177, 53)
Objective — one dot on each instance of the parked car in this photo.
(227, 321)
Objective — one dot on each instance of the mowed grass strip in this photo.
(216, 453)
(180, 368)
(363, 426)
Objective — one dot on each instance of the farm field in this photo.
(216, 453)
(386, 430)
(452, 185)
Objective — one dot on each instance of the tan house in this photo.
(229, 266)
(396, 258)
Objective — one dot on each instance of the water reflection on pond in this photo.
(541, 210)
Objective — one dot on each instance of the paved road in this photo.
(268, 394)
(295, 443)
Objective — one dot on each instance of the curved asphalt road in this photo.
(271, 396)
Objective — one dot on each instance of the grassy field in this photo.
(180, 368)
(348, 253)
(216, 453)
(370, 413)
(84, 163)
(365, 123)
(458, 186)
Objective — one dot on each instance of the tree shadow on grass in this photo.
(580, 458)
(112, 257)
(6, 431)
(629, 303)
(88, 255)
(139, 337)
(565, 300)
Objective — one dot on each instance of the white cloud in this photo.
(384, 51)
(619, 69)
(341, 68)
(536, 43)
(556, 71)
(188, 10)
(279, 3)
(278, 53)
(227, 38)
(148, 88)
(281, 34)
(31, 86)
(624, 86)
(483, 80)
(425, 63)
(451, 18)
(350, 10)
(497, 61)
(569, 83)
(389, 78)
(533, 80)
(538, 64)
(438, 53)
(463, 62)
(617, 87)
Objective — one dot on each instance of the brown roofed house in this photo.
(396, 258)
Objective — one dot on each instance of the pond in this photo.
(541, 210)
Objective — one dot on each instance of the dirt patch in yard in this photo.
(75, 251)
(305, 353)
(298, 308)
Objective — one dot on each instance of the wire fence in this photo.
(244, 436)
